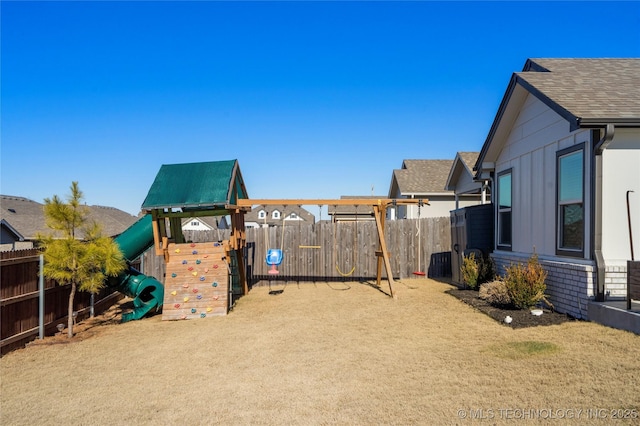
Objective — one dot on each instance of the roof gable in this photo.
(585, 92)
(214, 184)
(462, 168)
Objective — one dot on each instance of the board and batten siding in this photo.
(537, 135)
(530, 151)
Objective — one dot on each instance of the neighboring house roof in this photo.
(285, 212)
(421, 177)
(462, 164)
(353, 211)
(196, 186)
(211, 222)
(588, 93)
(26, 217)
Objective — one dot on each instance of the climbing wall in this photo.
(196, 281)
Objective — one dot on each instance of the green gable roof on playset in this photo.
(196, 186)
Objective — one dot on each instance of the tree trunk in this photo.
(70, 312)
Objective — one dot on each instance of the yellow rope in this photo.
(347, 274)
(355, 249)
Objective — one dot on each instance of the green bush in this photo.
(525, 283)
(470, 271)
(476, 271)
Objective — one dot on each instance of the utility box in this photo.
(472, 230)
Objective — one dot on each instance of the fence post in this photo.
(41, 298)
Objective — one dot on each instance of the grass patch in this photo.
(519, 350)
(313, 355)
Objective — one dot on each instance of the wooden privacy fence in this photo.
(337, 251)
(20, 300)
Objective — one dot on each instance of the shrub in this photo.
(495, 292)
(470, 270)
(525, 284)
(476, 271)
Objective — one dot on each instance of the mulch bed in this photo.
(521, 317)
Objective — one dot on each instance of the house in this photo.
(561, 156)
(276, 215)
(426, 179)
(205, 223)
(353, 213)
(23, 219)
(461, 179)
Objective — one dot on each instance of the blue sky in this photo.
(314, 99)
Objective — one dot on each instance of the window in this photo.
(195, 223)
(504, 210)
(262, 214)
(293, 216)
(275, 214)
(570, 201)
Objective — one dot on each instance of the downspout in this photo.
(596, 193)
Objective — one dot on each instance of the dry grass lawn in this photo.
(318, 355)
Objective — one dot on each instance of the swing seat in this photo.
(274, 257)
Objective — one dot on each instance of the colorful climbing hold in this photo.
(195, 290)
(216, 297)
(190, 268)
(206, 255)
(209, 309)
(202, 315)
(186, 299)
(185, 285)
(177, 250)
(198, 261)
(184, 262)
(174, 275)
(193, 310)
(193, 244)
(173, 293)
(215, 266)
(194, 252)
(215, 284)
(177, 305)
(199, 297)
(183, 317)
(194, 273)
(206, 270)
(202, 278)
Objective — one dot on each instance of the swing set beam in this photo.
(379, 207)
(380, 202)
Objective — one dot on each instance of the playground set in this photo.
(203, 279)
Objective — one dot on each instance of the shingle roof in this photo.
(588, 93)
(27, 217)
(469, 159)
(423, 176)
(592, 90)
(354, 210)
